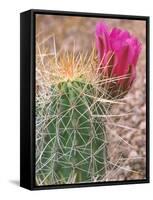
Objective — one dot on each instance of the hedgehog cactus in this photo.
(79, 142)
(74, 148)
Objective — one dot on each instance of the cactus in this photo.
(76, 140)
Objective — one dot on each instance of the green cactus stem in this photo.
(75, 147)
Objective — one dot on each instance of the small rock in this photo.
(142, 125)
(133, 154)
(140, 141)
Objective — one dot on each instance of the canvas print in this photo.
(90, 113)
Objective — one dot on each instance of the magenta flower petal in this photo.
(102, 40)
(137, 49)
(115, 32)
(123, 58)
(124, 35)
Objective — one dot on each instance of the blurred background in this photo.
(127, 134)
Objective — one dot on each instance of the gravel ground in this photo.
(126, 135)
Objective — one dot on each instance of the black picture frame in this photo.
(27, 98)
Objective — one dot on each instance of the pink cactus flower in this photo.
(118, 53)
